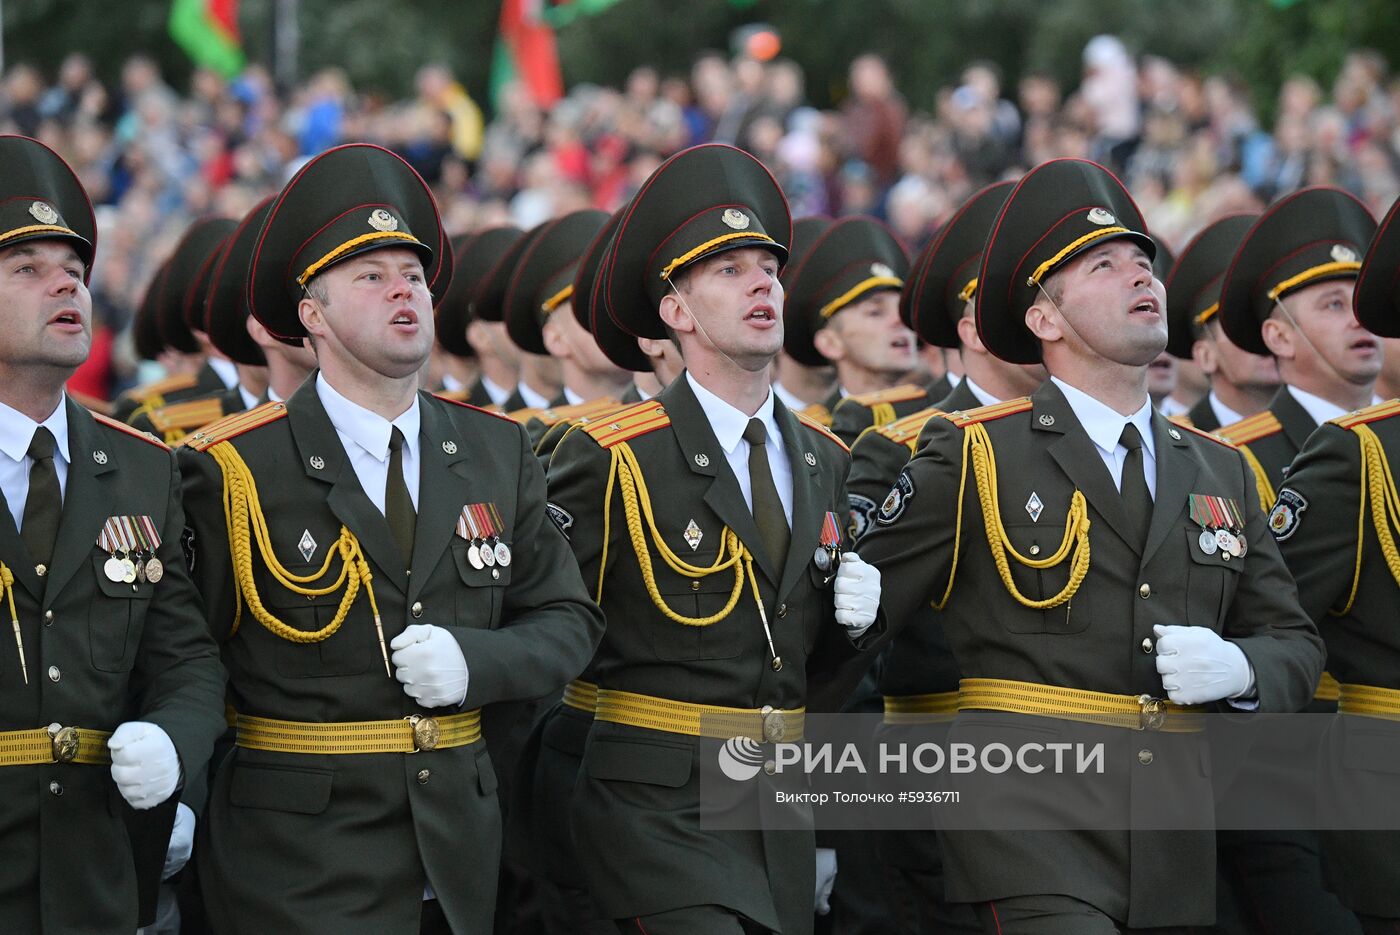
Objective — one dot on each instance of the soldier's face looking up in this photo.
(1223, 359)
(732, 303)
(1108, 306)
(870, 335)
(45, 309)
(1318, 335)
(378, 313)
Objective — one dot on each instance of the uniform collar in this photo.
(367, 429)
(226, 370)
(1224, 413)
(1320, 409)
(532, 399)
(1104, 425)
(728, 422)
(17, 431)
(498, 394)
(983, 397)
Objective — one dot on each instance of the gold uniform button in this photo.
(54, 674)
(48, 618)
(56, 787)
(694, 585)
(1035, 550)
(41, 570)
(1147, 644)
(423, 775)
(416, 609)
(782, 610)
(1145, 591)
(495, 574)
(1145, 757)
(1224, 556)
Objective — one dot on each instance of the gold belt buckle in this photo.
(64, 741)
(426, 732)
(774, 724)
(1153, 714)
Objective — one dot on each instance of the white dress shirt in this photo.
(498, 394)
(983, 397)
(1171, 406)
(365, 437)
(1224, 413)
(1104, 425)
(250, 400)
(786, 395)
(571, 398)
(532, 399)
(1320, 409)
(16, 432)
(728, 424)
(226, 369)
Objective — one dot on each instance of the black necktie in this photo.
(42, 507)
(1136, 498)
(398, 505)
(768, 512)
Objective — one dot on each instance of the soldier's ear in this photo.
(829, 344)
(552, 332)
(311, 316)
(1044, 322)
(675, 315)
(1203, 353)
(967, 334)
(1278, 337)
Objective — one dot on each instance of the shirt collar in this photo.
(1103, 424)
(643, 393)
(572, 398)
(983, 397)
(1223, 413)
(367, 429)
(728, 422)
(786, 395)
(532, 399)
(17, 431)
(498, 394)
(1320, 409)
(226, 370)
(250, 399)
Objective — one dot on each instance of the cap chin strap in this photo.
(701, 328)
(1308, 341)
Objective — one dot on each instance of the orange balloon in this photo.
(763, 46)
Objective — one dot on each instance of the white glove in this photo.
(1198, 665)
(181, 842)
(857, 594)
(430, 665)
(826, 879)
(145, 766)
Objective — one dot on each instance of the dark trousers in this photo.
(1277, 879)
(1055, 915)
(433, 921)
(693, 920)
(1375, 925)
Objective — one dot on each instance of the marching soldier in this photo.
(1287, 293)
(1349, 581)
(1073, 571)
(1241, 383)
(715, 587)
(462, 333)
(843, 308)
(112, 691)
(364, 623)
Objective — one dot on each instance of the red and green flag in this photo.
(526, 52)
(208, 32)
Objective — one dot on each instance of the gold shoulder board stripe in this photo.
(232, 426)
(628, 423)
(817, 413)
(493, 411)
(906, 431)
(190, 414)
(990, 413)
(1209, 436)
(1252, 429)
(179, 381)
(895, 394)
(146, 437)
(525, 415)
(1181, 419)
(820, 429)
(1370, 414)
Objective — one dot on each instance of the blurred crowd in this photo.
(1190, 147)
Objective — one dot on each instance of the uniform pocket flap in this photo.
(633, 761)
(281, 788)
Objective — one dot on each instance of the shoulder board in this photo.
(1260, 425)
(1209, 436)
(627, 423)
(454, 396)
(817, 413)
(592, 408)
(190, 414)
(820, 429)
(524, 415)
(895, 394)
(1374, 413)
(906, 431)
(178, 381)
(232, 426)
(1181, 419)
(492, 411)
(990, 413)
(146, 437)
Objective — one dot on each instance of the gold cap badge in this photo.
(382, 220)
(1101, 216)
(735, 218)
(881, 271)
(1343, 254)
(43, 212)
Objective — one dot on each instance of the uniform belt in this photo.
(581, 695)
(54, 744)
(920, 709)
(1327, 688)
(1138, 712)
(1371, 700)
(412, 734)
(766, 724)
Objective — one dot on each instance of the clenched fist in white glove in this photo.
(145, 766)
(857, 594)
(1198, 665)
(826, 879)
(430, 665)
(177, 854)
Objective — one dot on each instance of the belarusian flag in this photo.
(208, 32)
(525, 51)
